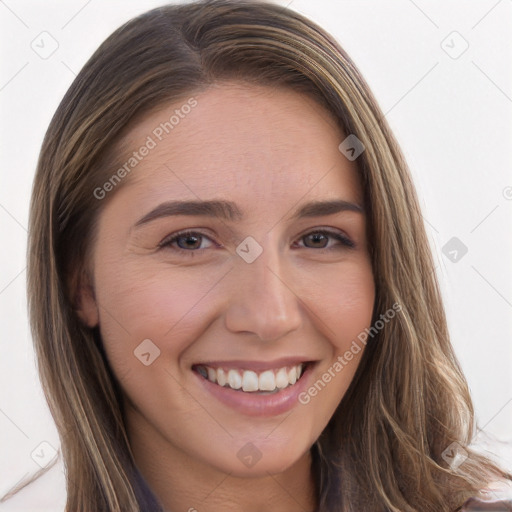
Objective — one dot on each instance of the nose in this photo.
(262, 300)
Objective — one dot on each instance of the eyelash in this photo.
(345, 241)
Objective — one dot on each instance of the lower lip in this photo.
(255, 404)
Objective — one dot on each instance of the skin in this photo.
(270, 151)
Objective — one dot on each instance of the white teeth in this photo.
(234, 379)
(212, 375)
(282, 378)
(250, 381)
(267, 381)
(221, 377)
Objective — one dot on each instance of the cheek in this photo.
(342, 301)
(343, 304)
(154, 304)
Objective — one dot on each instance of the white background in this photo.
(452, 118)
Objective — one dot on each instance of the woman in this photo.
(231, 292)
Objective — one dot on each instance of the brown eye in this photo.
(188, 241)
(320, 240)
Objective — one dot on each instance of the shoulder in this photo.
(495, 498)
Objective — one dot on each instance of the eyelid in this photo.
(186, 232)
(336, 233)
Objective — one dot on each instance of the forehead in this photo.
(244, 140)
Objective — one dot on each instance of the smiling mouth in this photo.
(249, 381)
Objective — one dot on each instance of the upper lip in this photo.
(256, 365)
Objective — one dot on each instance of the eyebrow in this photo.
(229, 211)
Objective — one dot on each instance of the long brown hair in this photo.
(408, 402)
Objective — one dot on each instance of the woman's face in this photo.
(274, 278)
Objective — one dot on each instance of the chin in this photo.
(259, 458)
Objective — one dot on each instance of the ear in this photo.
(86, 305)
